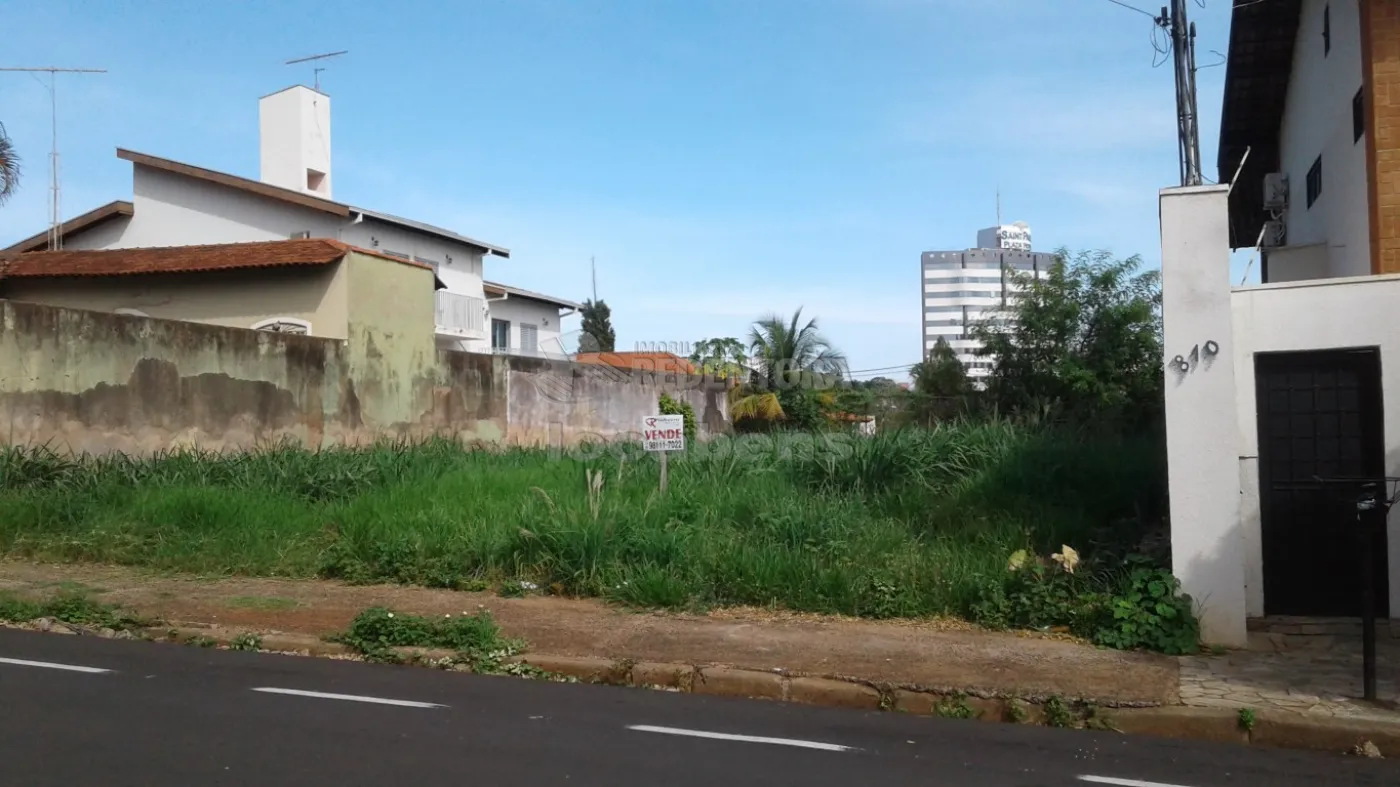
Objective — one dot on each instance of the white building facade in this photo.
(962, 289)
(1284, 397)
(527, 323)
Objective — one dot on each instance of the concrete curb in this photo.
(1221, 725)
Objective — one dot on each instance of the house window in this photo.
(283, 325)
(1314, 181)
(1327, 30)
(1358, 115)
(500, 334)
(529, 338)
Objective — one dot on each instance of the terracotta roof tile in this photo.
(644, 361)
(180, 259)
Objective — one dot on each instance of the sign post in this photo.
(663, 434)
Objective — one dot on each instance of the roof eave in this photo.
(1257, 71)
(236, 182)
(484, 247)
(515, 292)
(112, 210)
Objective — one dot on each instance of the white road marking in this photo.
(351, 698)
(724, 736)
(1124, 782)
(51, 665)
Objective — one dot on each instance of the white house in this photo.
(177, 204)
(1282, 395)
(526, 323)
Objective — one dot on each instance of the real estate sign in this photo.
(663, 433)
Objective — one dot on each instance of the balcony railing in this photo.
(461, 315)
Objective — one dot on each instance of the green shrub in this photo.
(1147, 610)
(669, 406)
(475, 638)
(1138, 607)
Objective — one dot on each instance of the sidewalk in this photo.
(1296, 694)
(1306, 668)
(921, 655)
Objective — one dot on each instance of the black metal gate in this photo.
(1320, 416)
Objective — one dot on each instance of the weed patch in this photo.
(901, 524)
(77, 609)
(246, 641)
(476, 639)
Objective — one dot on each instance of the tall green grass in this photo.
(902, 524)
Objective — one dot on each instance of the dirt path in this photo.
(933, 655)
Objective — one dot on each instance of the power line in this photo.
(1148, 14)
(880, 369)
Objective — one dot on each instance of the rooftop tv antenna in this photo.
(316, 71)
(55, 201)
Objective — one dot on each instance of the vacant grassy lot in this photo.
(904, 524)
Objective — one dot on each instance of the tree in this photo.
(720, 358)
(1082, 343)
(791, 353)
(598, 335)
(941, 386)
(9, 167)
(790, 360)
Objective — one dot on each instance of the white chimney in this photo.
(295, 134)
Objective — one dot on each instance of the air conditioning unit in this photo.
(1275, 235)
(1276, 191)
(303, 235)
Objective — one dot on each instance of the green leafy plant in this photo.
(1137, 607)
(477, 640)
(246, 641)
(78, 609)
(1058, 713)
(1150, 612)
(669, 406)
(1016, 712)
(955, 707)
(1246, 719)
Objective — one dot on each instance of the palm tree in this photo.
(784, 354)
(9, 166)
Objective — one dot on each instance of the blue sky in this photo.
(720, 158)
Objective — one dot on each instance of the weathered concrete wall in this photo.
(85, 381)
(392, 352)
(562, 403)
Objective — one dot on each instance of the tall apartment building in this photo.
(964, 288)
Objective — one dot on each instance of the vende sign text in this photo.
(663, 433)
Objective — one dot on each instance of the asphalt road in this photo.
(158, 715)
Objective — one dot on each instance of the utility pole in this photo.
(55, 198)
(1183, 36)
